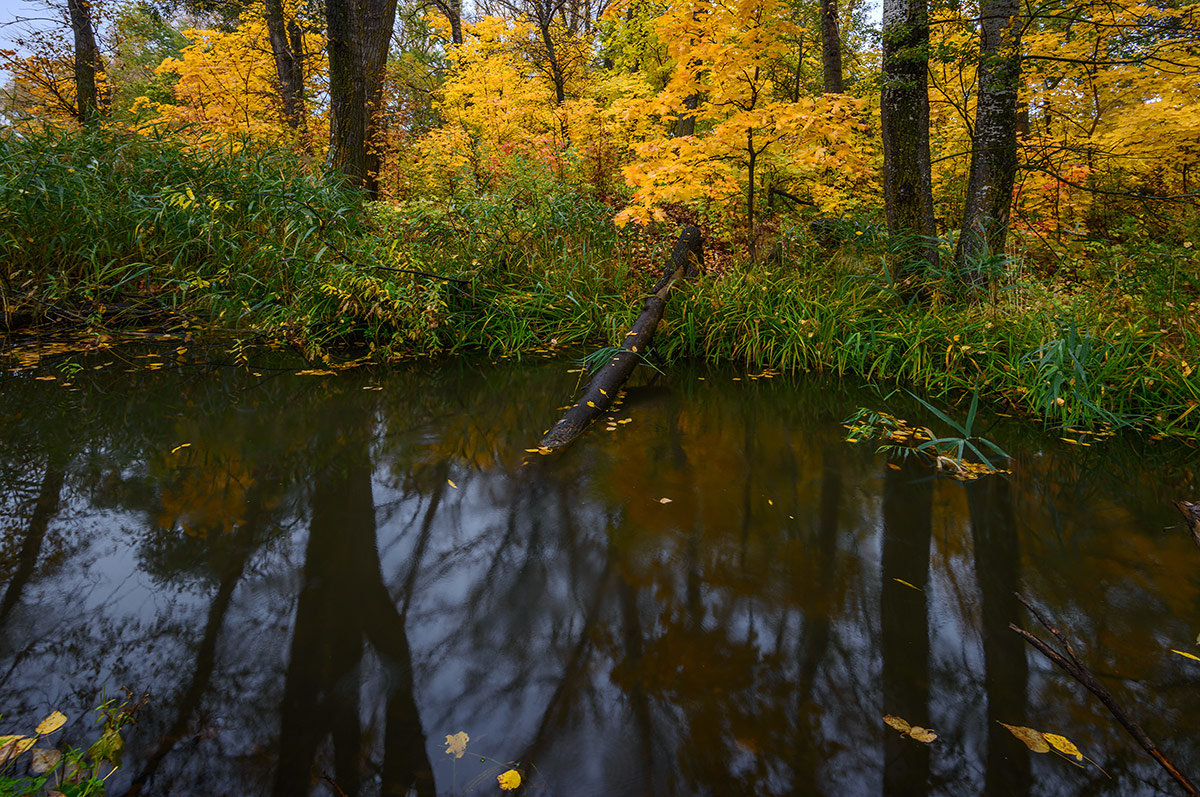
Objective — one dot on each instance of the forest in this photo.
(996, 199)
(879, 328)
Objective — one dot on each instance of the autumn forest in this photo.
(764, 397)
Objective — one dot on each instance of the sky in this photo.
(12, 11)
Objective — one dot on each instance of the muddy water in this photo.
(319, 578)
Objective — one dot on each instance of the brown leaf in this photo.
(1034, 740)
(897, 723)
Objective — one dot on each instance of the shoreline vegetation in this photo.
(105, 228)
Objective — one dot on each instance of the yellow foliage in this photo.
(509, 780)
(228, 87)
(745, 139)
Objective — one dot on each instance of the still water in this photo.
(319, 578)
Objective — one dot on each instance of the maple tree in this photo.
(747, 137)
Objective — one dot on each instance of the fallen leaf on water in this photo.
(509, 780)
(452, 484)
(45, 378)
(915, 732)
(1034, 740)
(322, 372)
(52, 723)
(1188, 655)
(664, 500)
(1063, 744)
(13, 746)
(905, 583)
(44, 760)
(532, 450)
(456, 744)
(922, 734)
(180, 446)
(591, 404)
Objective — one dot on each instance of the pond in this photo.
(319, 578)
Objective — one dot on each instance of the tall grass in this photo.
(96, 226)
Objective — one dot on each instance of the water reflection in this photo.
(318, 582)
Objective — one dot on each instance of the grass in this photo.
(107, 226)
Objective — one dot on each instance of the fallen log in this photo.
(686, 259)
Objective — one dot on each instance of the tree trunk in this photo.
(87, 61)
(359, 34)
(994, 149)
(686, 259)
(686, 125)
(904, 111)
(831, 47)
(286, 45)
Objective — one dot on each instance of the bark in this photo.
(452, 11)
(994, 149)
(831, 47)
(686, 125)
(904, 111)
(287, 50)
(686, 259)
(359, 34)
(87, 61)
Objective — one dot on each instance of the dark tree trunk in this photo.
(87, 61)
(686, 260)
(994, 149)
(686, 125)
(904, 111)
(359, 34)
(287, 49)
(452, 11)
(831, 47)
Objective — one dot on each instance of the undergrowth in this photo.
(105, 226)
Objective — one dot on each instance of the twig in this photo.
(422, 274)
(1073, 667)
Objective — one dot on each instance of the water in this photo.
(318, 581)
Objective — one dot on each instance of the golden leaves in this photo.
(53, 722)
(456, 744)
(916, 732)
(1186, 655)
(509, 780)
(1032, 739)
(1040, 742)
(1063, 745)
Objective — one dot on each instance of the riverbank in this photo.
(107, 228)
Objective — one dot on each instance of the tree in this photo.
(904, 112)
(831, 47)
(287, 48)
(87, 60)
(750, 137)
(359, 34)
(994, 146)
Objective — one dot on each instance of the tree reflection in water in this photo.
(328, 581)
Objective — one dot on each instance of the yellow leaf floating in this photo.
(180, 447)
(456, 743)
(664, 500)
(1034, 740)
(1186, 655)
(52, 723)
(1064, 745)
(452, 484)
(509, 780)
(916, 732)
(317, 372)
(905, 583)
